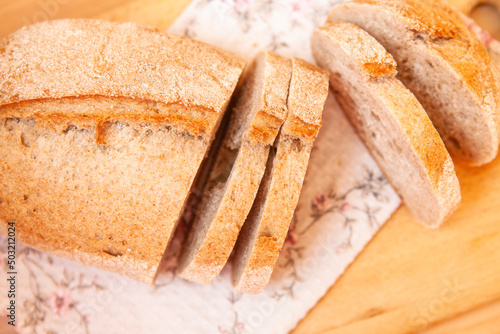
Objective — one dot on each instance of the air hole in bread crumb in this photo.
(112, 251)
(1, 201)
(376, 117)
(10, 123)
(419, 37)
(454, 142)
(267, 234)
(24, 140)
(297, 144)
(26, 197)
(69, 128)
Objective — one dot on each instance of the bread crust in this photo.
(419, 158)
(259, 111)
(266, 227)
(440, 34)
(104, 127)
(85, 58)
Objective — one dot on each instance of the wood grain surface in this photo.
(409, 279)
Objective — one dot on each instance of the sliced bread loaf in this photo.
(266, 226)
(258, 113)
(389, 119)
(442, 63)
(103, 127)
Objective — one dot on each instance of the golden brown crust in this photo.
(423, 138)
(271, 111)
(195, 120)
(306, 99)
(420, 17)
(438, 22)
(372, 57)
(73, 58)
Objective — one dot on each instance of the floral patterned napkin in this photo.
(344, 202)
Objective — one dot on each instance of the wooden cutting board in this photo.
(409, 279)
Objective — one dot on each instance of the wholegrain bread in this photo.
(103, 127)
(442, 63)
(266, 226)
(258, 113)
(389, 120)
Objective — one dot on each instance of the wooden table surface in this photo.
(409, 279)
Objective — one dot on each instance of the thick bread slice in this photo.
(442, 63)
(265, 229)
(390, 120)
(103, 127)
(259, 111)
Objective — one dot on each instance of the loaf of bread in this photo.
(389, 120)
(258, 113)
(266, 226)
(103, 127)
(443, 64)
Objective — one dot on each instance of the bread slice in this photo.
(103, 127)
(259, 111)
(266, 226)
(442, 63)
(389, 119)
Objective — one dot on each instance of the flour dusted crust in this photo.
(265, 229)
(442, 63)
(390, 120)
(83, 57)
(103, 127)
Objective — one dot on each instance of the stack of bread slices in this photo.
(103, 131)
(106, 128)
(410, 75)
(257, 172)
